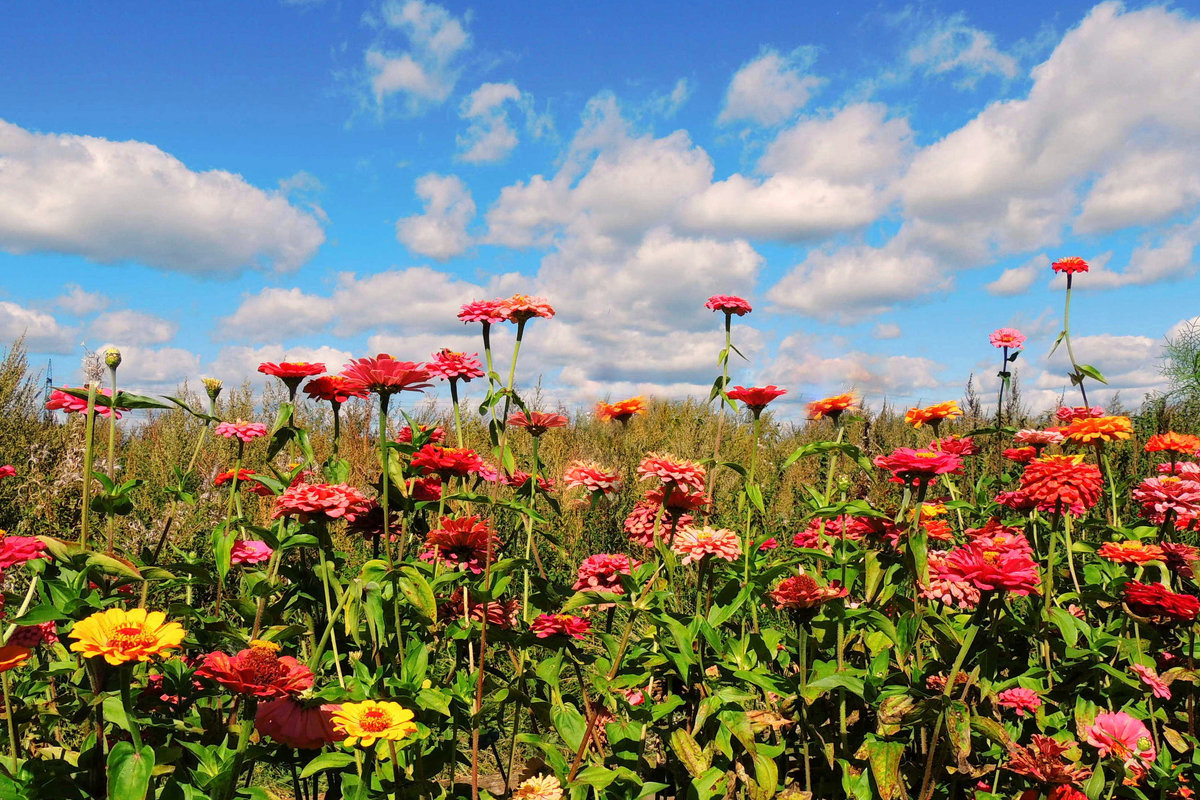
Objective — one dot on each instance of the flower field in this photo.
(360, 601)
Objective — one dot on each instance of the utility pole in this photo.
(49, 389)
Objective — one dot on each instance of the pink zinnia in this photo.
(1007, 337)
(547, 625)
(321, 500)
(592, 477)
(958, 445)
(250, 551)
(31, 636)
(436, 435)
(672, 471)
(602, 572)
(1120, 735)
(70, 404)
(696, 543)
(246, 431)
(1068, 414)
(385, 375)
(729, 303)
(522, 307)
(639, 525)
(489, 312)
(1149, 677)
(1019, 700)
(294, 723)
(446, 462)
(1027, 437)
(7, 471)
(451, 366)
(16, 550)
(536, 422)
(1161, 496)
(918, 466)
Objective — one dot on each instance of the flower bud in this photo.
(843, 483)
(112, 357)
(213, 387)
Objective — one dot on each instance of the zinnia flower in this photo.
(16, 550)
(1120, 735)
(502, 614)
(1006, 337)
(1017, 501)
(639, 525)
(461, 543)
(1001, 563)
(246, 431)
(366, 722)
(536, 422)
(334, 389)
(294, 723)
(1094, 430)
(622, 410)
(592, 477)
(489, 312)
(1062, 484)
(1159, 603)
(831, 407)
(918, 466)
(755, 398)
(1130, 551)
(547, 625)
(1044, 762)
(446, 462)
(1184, 444)
(1020, 700)
(958, 445)
(250, 551)
(696, 543)
(933, 415)
(672, 471)
(32, 636)
(436, 434)
(325, 500)
(7, 471)
(291, 373)
(1037, 439)
(385, 375)
(257, 671)
(729, 303)
(1068, 414)
(539, 787)
(246, 482)
(1070, 265)
(602, 572)
(522, 307)
(1180, 558)
(1149, 677)
(801, 593)
(1021, 455)
(70, 404)
(119, 635)
(449, 365)
(13, 656)
(1160, 496)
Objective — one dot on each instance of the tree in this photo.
(1181, 361)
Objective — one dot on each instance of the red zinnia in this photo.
(31, 636)
(446, 462)
(918, 466)
(436, 435)
(334, 389)
(802, 593)
(1070, 265)
(1181, 558)
(489, 312)
(461, 543)
(547, 625)
(1159, 603)
(1062, 483)
(258, 671)
(756, 398)
(1044, 762)
(536, 422)
(322, 500)
(729, 303)
(385, 375)
(296, 724)
(1021, 455)
(291, 371)
(7, 471)
(245, 480)
(452, 366)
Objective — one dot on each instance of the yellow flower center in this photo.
(130, 638)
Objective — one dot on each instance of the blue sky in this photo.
(322, 180)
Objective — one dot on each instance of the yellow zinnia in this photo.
(121, 635)
(365, 722)
(1093, 430)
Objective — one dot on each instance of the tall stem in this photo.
(525, 615)
(721, 416)
(88, 454)
(747, 539)
(1067, 339)
(247, 725)
(802, 658)
(12, 725)
(457, 413)
(384, 457)
(112, 453)
(1000, 400)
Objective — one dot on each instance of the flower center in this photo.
(130, 637)
(261, 662)
(375, 720)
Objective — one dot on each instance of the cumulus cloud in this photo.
(1017, 280)
(275, 313)
(76, 300)
(426, 73)
(873, 375)
(441, 231)
(129, 327)
(129, 201)
(42, 331)
(886, 330)
(770, 88)
(953, 46)
(1166, 256)
(490, 137)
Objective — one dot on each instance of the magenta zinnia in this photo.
(729, 303)
(449, 365)
(918, 466)
(547, 625)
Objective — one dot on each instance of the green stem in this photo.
(337, 427)
(12, 725)
(1070, 558)
(1067, 339)
(1112, 487)
(112, 454)
(747, 539)
(385, 535)
(802, 658)
(247, 726)
(457, 414)
(326, 570)
(529, 533)
(88, 456)
(126, 700)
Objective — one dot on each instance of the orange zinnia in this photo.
(13, 655)
(831, 406)
(621, 411)
(1130, 552)
(119, 635)
(1181, 443)
(1093, 430)
(932, 414)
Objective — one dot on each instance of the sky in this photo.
(213, 186)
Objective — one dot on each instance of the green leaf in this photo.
(39, 614)
(129, 771)
(570, 725)
(418, 592)
(326, 761)
(113, 566)
(192, 411)
(884, 758)
(1091, 372)
(694, 758)
(1062, 335)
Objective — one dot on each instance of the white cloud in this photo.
(667, 104)
(1168, 256)
(770, 88)
(1017, 280)
(427, 72)
(1144, 186)
(276, 313)
(953, 46)
(490, 137)
(873, 375)
(1128, 363)
(236, 364)
(154, 369)
(441, 231)
(76, 300)
(129, 327)
(42, 332)
(886, 330)
(129, 201)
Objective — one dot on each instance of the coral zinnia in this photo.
(366, 722)
(320, 500)
(602, 572)
(250, 551)
(1120, 735)
(1006, 337)
(547, 625)
(1184, 444)
(1159, 603)
(1062, 483)
(119, 635)
(522, 307)
(1070, 265)
(1160, 496)
(297, 724)
(639, 525)
(958, 445)
(1068, 414)
(696, 543)
(932, 415)
(592, 477)
(539, 787)
(449, 365)
(70, 404)
(1094, 430)
(1130, 551)
(502, 614)
(831, 407)
(621, 410)
(461, 543)
(1158, 687)
(672, 471)
(257, 671)
(756, 398)
(385, 375)
(729, 303)
(536, 422)
(446, 462)
(918, 466)
(489, 312)
(291, 372)
(802, 593)
(995, 563)
(334, 389)
(1020, 700)
(246, 482)
(246, 431)
(1027, 437)
(1021, 455)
